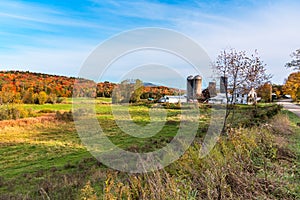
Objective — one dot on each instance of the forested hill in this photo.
(29, 83)
(28, 86)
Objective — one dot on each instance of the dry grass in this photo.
(27, 121)
(281, 124)
(245, 165)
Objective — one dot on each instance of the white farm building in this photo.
(173, 99)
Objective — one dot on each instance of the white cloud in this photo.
(273, 29)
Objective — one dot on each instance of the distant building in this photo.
(219, 99)
(173, 99)
(252, 97)
(239, 97)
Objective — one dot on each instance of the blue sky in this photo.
(57, 36)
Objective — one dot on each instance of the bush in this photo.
(8, 112)
(65, 116)
(253, 116)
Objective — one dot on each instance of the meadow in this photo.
(47, 160)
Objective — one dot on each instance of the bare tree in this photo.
(232, 65)
(256, 74)
(295, 63)
(242, 72)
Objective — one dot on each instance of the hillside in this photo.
(16, 86)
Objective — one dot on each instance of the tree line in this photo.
(39, 88)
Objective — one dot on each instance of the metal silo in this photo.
(189, 87)
(197, 86)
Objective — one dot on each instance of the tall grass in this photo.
(243, 165)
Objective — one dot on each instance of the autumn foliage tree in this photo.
(42, 97)
(278, 90)
(265, 92)
(292, 86)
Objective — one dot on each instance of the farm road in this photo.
(290, 106)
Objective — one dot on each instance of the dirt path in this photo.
(290, 106)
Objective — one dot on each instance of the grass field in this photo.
(47, 159)
(38, 149)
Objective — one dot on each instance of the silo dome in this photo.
(198, 77)
(190, 77)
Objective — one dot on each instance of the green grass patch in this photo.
(53, 107)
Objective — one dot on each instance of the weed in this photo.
(87, 192)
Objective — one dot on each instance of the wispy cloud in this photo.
(40, 14)
(40, 34)
(272, 29)
(158, 11)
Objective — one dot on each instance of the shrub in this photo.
(65, 116)
(8, 112)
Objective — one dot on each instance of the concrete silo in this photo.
(197, 86)
(212, 89)
(189, 87)
(223, 84)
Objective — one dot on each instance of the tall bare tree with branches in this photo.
(242, 72)
(295, 63)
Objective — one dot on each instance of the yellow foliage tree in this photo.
(42, 97)
(292, 86)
